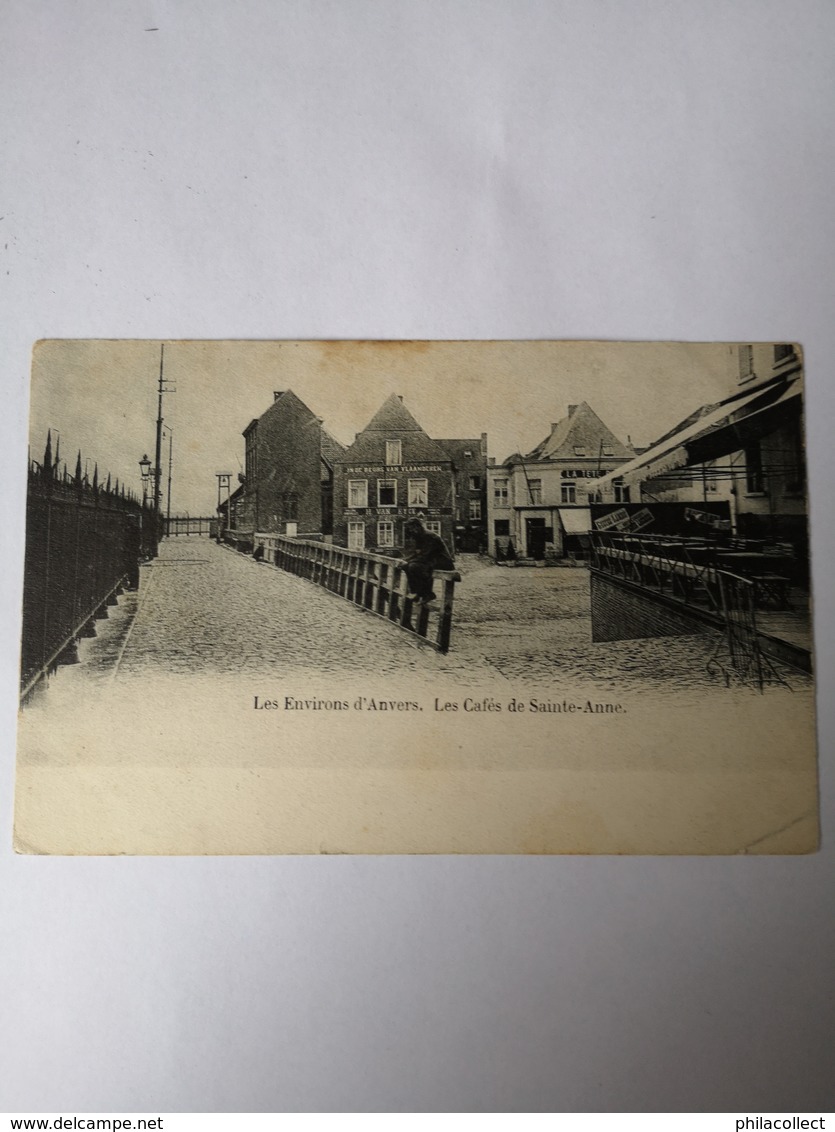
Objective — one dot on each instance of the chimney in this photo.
(400, 398)
(554, 425)
(571, 409)
(277, 393)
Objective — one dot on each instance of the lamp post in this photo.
(149, 546)
(145, 471)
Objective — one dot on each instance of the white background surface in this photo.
(374, 168)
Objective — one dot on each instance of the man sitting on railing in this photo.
(425, 552)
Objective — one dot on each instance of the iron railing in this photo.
(682, 570)
(84, 542)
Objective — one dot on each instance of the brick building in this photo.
(469, 473)
(288, 481)
(393, 471)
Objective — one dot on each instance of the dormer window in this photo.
(608, 450)
(579, 450)
(394, 452)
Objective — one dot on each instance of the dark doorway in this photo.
(537, 535)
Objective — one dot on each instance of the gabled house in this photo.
(288, 478)
(393, 471)
(537, 508)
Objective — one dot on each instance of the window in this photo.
(394, 452)
(754, 480)
(783, 352)
(357, 493)
(356, 536)
(385, 533)
(251, 458)
(608, 450)
(475, 508)
(468, 451)
(535, 491)
(568, 493)
(418, 493)
(386, 493)
(746, 363)
(622, 493)
(291, 505)
(475, 483)
(500, 495)
(501, 527)
(433, 526)
(579, 450)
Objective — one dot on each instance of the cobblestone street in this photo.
(204, 609)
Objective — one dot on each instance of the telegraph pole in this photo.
(157, 469)
(157, 461)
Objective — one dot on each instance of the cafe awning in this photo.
(575, 520)
(746, 428)
(677, 451)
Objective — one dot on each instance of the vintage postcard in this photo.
(416, 597)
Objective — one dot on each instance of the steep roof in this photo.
(582, 428)
(284, 399)
(331, 448)
(457, 450)
(393, 421)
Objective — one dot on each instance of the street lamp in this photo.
(145, 469)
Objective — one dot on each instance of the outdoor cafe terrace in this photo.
(689, 572)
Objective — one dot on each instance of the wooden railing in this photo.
(371, 581)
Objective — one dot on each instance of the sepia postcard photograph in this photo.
(416, 597)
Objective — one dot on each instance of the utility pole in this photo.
(157, 468)
(170, 466)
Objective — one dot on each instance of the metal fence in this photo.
(184, 526)
(371, 581)
(84, 542)
(739, 652)
(681, 570)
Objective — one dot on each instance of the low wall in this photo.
(621, 611)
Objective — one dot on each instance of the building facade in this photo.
(392, 472)
(747, 450)
(537, 504)
(469, 507)
(288, 480)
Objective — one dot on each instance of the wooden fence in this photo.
(371, 581)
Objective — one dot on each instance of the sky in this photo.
(100, 396)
